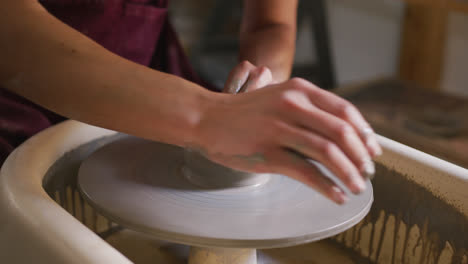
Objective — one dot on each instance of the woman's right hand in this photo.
(278, 128)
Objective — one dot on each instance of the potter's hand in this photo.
(278, 128)
(246, 77)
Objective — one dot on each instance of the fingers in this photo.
(238, 77)
(343, 109)
(246, 77)
(341, 133)
(258, 78)
(326, 152)
(291, 164)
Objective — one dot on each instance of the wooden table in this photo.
(427, 120)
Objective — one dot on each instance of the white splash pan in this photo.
(34, 228)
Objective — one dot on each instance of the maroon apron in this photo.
(138, 30)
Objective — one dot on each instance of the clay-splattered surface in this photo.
(408, 224)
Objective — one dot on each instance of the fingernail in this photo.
(358, 185)
(367, 132)
(374, 145)
(368, 168)
(339, 196)
(369, 137)
(378, 149)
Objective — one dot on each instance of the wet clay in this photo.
(407, 224)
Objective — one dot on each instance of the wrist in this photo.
(208, 104)
(172, 112)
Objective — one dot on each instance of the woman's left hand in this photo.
(246, 77)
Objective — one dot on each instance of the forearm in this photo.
(61, 69)
(272, 46)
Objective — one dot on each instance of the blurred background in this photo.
(404, 64)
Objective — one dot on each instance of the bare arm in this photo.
(55, 66)
(268, 35)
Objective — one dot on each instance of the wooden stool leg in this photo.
(199, 255)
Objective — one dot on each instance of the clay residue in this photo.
(60, 183)
(408, 224)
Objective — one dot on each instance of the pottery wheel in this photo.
(139, 184)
